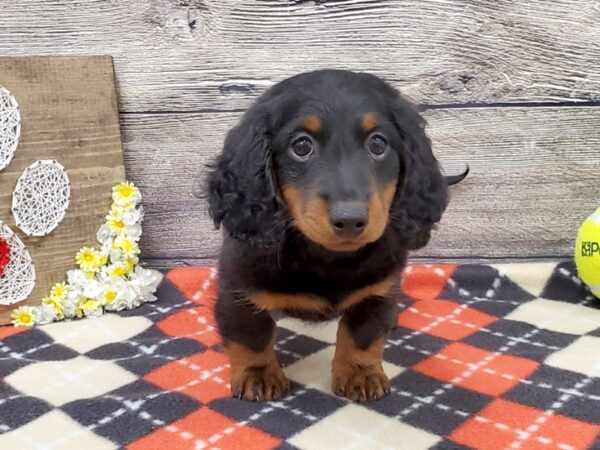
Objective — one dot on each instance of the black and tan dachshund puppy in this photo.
(322, 189)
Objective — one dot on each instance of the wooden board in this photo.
(534, 177)
(68, 113)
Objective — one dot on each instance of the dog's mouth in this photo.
(345, 245)
(310, 214)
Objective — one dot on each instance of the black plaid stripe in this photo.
(130, 412)
(564, 285)
(17, 409)
(32, 346)
(475, 281)
(147, 351)
(547, 384)
(445, 444)
(301, 408)
(292, 347)
(544, 343)
(407, 354)
(156, 311)
(436, 414)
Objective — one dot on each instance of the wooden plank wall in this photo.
(511, 87)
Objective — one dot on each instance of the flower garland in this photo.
(109, 277)
(4, 255)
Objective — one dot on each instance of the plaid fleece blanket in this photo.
(487, 357)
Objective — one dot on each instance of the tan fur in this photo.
(256, 376)
(379, 289)
(369, 121)
(268, 301)
(309, 213)
(312, 123)
(355, 373)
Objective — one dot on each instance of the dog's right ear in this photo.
(242, 191)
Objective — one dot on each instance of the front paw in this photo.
(263, 383)
(360, 383)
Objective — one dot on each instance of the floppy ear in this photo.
(242, 191)
(423, 195)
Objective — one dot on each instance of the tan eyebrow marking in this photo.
(369, 121)
(312, 123)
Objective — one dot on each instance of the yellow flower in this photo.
(85, 306)
(89, 259)
(90, 305)
(109, 295)
(127, 245)
(130, 263)
(118, 269)
(23, 316)
(56, 304)
(79, 310)
(125, 194)
(116, 222)
(59, 290)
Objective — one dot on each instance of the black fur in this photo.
(263, 250)
(371, 319)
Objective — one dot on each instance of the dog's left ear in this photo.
(242, 190)
(422, 196)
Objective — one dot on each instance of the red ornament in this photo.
(4, 255)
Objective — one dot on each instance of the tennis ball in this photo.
(587, 252)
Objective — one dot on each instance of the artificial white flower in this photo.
(109, 278)
(134, 232)
(91, 288)
(145, 282)
(132, 216)
(70, 304)
(76, 277)
(103, 234)
(118, 305)
(44, 314)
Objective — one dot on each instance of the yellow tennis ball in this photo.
(587, 252)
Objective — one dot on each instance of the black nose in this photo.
(348, 219)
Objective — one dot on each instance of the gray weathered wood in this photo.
(534, 177)
(199, 55)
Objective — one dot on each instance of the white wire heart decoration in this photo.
(10, 126)
(41, 197)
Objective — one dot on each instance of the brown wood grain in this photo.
(68, 113)
(195, 55)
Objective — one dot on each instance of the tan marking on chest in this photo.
(379, 289)
(268, 301)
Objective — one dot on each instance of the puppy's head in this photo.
(339, 155)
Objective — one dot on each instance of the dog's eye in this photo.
(377, 146)
(302, 147)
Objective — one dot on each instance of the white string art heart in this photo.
(18, 278)
(41, 197)
(10, 127)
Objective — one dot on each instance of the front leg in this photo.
(357, 371)
(249, 337)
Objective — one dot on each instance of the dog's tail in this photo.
(454, 179)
